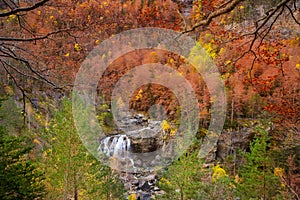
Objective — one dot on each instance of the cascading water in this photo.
(117, 147)
(120, 151)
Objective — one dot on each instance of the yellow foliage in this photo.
(242, 7)
(225, 76)
(51, 17)
(222, 51)
(171, 60)
(163, 180)
(218, 172)
(173, 132)
(154, 57)
(67, 54)
(36, 141)
(83, 5)
(210, 50)
(197, 11)
(165, 125)
(132, 196)
(97, 42)
(179, 74)
(139, 95)
(11, 18)
(77, 47)
(223, 20)
(38, 116)
(298, 66)
(182, 59)
(279, 172)
(228, 62)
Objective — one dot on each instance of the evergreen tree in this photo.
(186, 179)
(257, 178)
(183, 178)
(72, 172)
(20, 176)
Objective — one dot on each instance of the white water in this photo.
(117, 146)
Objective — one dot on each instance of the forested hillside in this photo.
(156, 99)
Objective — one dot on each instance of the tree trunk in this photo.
(232, 104)
(75, 185)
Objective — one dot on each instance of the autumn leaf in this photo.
(77, 47)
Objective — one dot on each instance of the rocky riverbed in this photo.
(144, 136)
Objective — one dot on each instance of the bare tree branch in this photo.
(28, 66)
(34, 38)
(293, 16)
(17, 70)
(228, 8)
(257, 33)
(24, 9)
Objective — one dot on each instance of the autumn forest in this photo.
(150, 99)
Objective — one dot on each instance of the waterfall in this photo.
(117, 146)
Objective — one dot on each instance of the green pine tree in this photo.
(20, 177)
(72, 172)
(182, 180)
(257, 177)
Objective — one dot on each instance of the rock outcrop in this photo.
(230, 141)
(146, 139)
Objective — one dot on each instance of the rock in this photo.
(154, 163)
(135, 182)
(141, 183)
(145, 140)
(146, 186)
(145, 196)
(158, 157)
(127, 186)
(208, 165)
(138, 163)
(154, 124)
(160, 192)
(132, 122)
(150, 177)
(230, 141)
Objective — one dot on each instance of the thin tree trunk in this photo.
(75, 185)
(264, 177)
(232, 104)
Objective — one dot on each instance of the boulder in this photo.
(145, 140)
(146, 186)
(230, 141)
